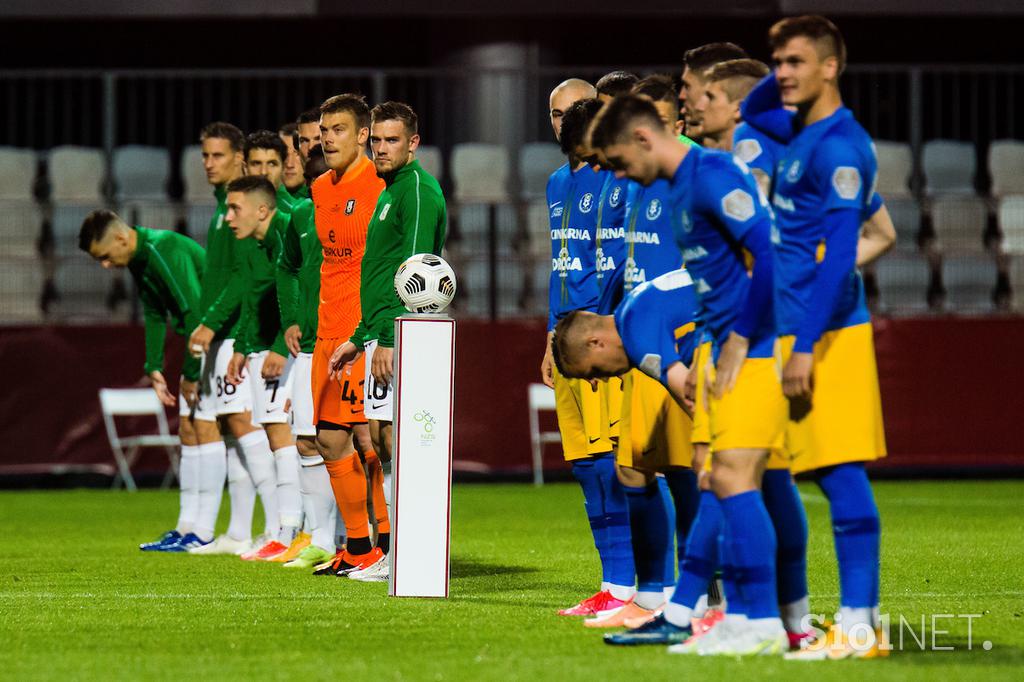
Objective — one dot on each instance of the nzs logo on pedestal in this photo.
(426, 424)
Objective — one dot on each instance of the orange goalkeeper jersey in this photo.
(343, 211)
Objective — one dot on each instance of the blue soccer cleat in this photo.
(656, 631)
(160, 545)
(185, 543)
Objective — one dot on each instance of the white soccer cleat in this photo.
(224, 544)
(377, 572)
(743, 638)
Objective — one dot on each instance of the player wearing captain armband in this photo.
(824, 191)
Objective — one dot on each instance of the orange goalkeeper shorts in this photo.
(336, 401)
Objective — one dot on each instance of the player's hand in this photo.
(342, 358)
(199, 341)
(292, 335)
(236, 367)
(273, 366)
(797, 379)
(160, 386)
(189, 391)
(690, 389)
(547, 366)
(382, 367)
(730, 360)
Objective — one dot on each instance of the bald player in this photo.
(562, 97)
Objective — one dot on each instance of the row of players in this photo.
(286, 391)
(716, 273)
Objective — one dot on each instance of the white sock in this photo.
(623, 592)
(188, 478)
(649, 600)
(667, 592)
(386, 468)
(242, 494)
(851, 617)
(677, 614)
(606, 586)
(701, 608)
(212, 471)
(320, 505)
(794, 613)
(259, 460)
(289, 499)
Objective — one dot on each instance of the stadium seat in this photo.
(17, 174)
(906, 216)
(949, 167)
(136, 402)
(20, 228)
(21, 286)
(158, 215)
(537, 161)
(895, 167)
(538, 229)
(76, 174)
(193, 176)
(432, 160)
(969, 282)
(141, 173)
(66, 221)
(540, 280)
(1006, 167)
(474, 282)
(1017, 282)
(540, 398)
(480, 173)
(959, 223)
(474, 229)
(197, 220)
(902, 283)
(1011, 224)
(83, 287)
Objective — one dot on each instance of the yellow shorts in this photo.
(843, 422)
(753, 414)
(655, 431)
(614, 395)
(701, 420)
(582, 417)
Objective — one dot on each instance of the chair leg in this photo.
(172, 471)
(124, 473)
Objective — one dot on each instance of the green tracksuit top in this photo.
(260, 324)
(410, 218)
(300, 192)
(298, 274)
(167, 268)
(222, 288)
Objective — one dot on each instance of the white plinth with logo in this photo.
(422, 455)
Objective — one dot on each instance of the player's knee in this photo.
(280, 436)
(240, 424)
(205, 431)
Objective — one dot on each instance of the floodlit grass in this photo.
(78, 600)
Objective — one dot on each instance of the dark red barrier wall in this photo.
(951, 389)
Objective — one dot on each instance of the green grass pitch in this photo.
(79, 601)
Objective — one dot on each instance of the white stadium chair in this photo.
(1011, 224)
(1006, 167)
(83, 286)
(141, 173)
(76, 174)
(474, 229)
(475, 282)
(949, 167)
(538, 229)
(197, 220)
(902, 283)
(123, 402)
(969, 282)
(540, 399)
(431, 159)
(537, 161)
(959, 223)
(66, 222)
(906, 217)
(21, 285)
(480, 172)
(895, 166)
(17, 174)
(20, 227)
(193, 175)
(540, 272)
(158, 215)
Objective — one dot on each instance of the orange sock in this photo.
(380, 504)
(348, 481)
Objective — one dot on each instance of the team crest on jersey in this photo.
(616, 197)
(684, 220)
(350, 206)
(654, 209)
(794, 171)
(846, 180)
(586, 202)
(747, 150)
(384, 212)
(738, 205)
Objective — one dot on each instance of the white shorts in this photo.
(301, 383)
(378, 398)
(216, 395)
(269, 396)
(194, 413)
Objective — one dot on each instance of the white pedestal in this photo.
(422, 455)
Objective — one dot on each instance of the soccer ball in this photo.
(425, 283)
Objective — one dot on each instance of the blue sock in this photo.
(669, 573)
(682, 483)
(585, 471)
(648, 521)
(787, 513)
(700, 554)
(857, 531)
(750, 538)
(621, 568)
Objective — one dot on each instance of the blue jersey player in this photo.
(719, 220)
(823, 193)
